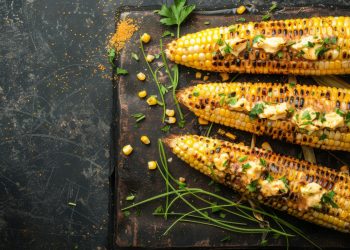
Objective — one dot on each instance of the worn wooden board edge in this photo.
(115, 149)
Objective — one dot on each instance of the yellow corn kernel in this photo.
(344, 169)
(198, 75)
(266, 146)
(152, 165)
(149, 58)
(152, 100)
(127, 150)
(182, 179)
(241, 9)
(145, 38)
(231, 136)
(142, 94)
(145, 139)
(170, 120)
(141, 76)
(170, 112)
(224, 76)
(205, 78)
(202, 121)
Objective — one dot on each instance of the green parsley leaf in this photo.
(196, 93)
(339, 112)
(138, 116)
(300, 53)
(176, 13)
(121, 71)
(227, 48)
(243, 158)
(310, 44)
(252, 187)
(222, 100)
(111, 56)
(130, 197)
(181, 123)
(207, 23)
(327, 198)
(225, 163)
(156, 56)
(232, 29)
(222, 215)
(280, 54)
(246, 166)
(266, 17)
(158, 210)
(263, 242)
(227, 238)
(263, 162)
(242, 19)
(220, 42)
(257, 38)
(290, 43)
(167, 33)
(215, 208)
(306, 115)
(269, 178)
(126, 213)
(135, 56)
(163, 89)
(273, 7)
(323, 137)
(292, 84)
(321, 117)
(320, 51)
(256, 110)
(165, 129)
(232, 101)
(285, 181)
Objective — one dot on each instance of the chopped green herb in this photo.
(211, 183)
(126, 213)
(242, 19)
(290, 43)
(207, 23)
(285, 181)
(307, 123)
(249, 48)
(269, 177)
(327, 198)
(182, 185)
(220, 42)
(273, 7)
(232, 101)
(310, 44)
(263, 242)
(227, 48)
(300, 53)
(165, 129)
(323, 137)
(257, 38)
(339, 112)
(243, 158)
(232, 29)
(167, 33)
(332, 40)
(252, 186)
(263, 162)
(292, 84)
(320, 51)
(156, 56)
(135, 56)
(121, 71)
(246, 166)
(321, 117)
(306, 115)
(291, 110)
(280, 54)
(215, 208)
(222, 215)
(130, 197)
(256, 110)
(158, 210)
(196, 93)
(266, 17)
(111, 56)
(222, 100)
(227, 238)
(225, 163)
(269, 94)
(181, 123)
(138, 116)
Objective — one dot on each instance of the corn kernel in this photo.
(152, 165)
(182, 179)
(224, 76)
(344, 169)
(127, 149)
(145, 139)
(170, 120)
(205, 78)
(141, 76)
(149, 58)
(231, 136)
(142, 94)
(152, 100)
(198, 75)
(202, 121)
(170, 112)
(221, 131)
(266, 146)
(241, 9)
(145, 37)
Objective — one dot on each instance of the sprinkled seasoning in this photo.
(125, 29)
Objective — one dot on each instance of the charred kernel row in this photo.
(204, 50)
(212, 103)
(202, 153)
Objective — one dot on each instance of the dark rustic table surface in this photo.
(55, 117)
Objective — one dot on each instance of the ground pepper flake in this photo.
(125, 29)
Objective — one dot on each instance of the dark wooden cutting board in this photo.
(141, 228)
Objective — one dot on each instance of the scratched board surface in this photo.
(141, 228)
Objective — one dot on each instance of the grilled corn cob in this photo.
(306, 115)
(314, 193)
(310, 46)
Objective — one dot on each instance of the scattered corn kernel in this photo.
(145, 139)
(152, 165)
(152, 100)
(202, 121)
(142, 94)
(221, 132)
(170, 112)
(266, 146)
(149, 58)
(127, 149)
(145, 37)
(141, 76)
(231, 136)
(205, 78)
(224, 76)
(344, 169)
(241, 9)
(170, 120)
(182, 179)
(198, 75)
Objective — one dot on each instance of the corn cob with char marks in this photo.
(300, 114)
(314, 193)
(310, 46)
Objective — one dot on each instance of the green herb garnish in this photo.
(243, 158)
(252, 187)
(257, 38)
(135, 56)
(167, 33)
(206, 23)
(273, 7)
(227, 48)
(196, 93)
(280, 54)
(310, 44)
(130, 197)
(121, 71)
(256, 110)
(111, 56)
(266, 17)
(306, 115)
(339, 112)
(227, 238)
(320, 51)
(285, 181)
(246, 166)
(323, 137)
(269, 177)
(242, 19)
(220, 42)
(263, 162)
(292, 84)
(165, 129)
(328, 198)
(138, 116)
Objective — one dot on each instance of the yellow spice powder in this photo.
(125, 29)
